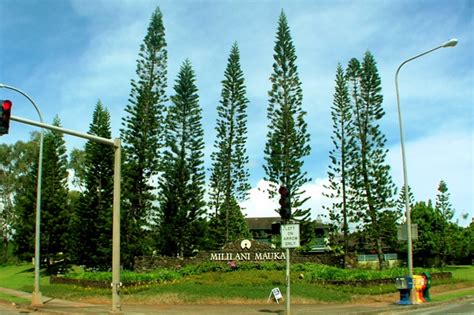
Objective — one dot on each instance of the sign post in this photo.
(290, 238)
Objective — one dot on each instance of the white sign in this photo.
(290, 235)
(276, 294)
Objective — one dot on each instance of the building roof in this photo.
(261, 223)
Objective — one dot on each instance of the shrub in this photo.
(161, 275)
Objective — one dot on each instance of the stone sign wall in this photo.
(239, 251)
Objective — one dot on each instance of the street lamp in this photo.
(36, 296)
(451, 43)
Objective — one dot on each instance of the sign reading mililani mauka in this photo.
(248, 251)
(248, 256)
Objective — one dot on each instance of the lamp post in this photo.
(36, 296)
(450, 43)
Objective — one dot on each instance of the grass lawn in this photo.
(461, 286)
(212, 287)
(452, 295)
(242, 286)
(19, 277)
(234, 287)
(465, 273)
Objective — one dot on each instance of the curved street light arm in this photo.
(25, 95)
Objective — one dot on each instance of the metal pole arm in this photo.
(64, 130)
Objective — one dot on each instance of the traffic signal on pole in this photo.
(285, 209)
(5, 116)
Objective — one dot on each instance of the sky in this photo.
(68, 54)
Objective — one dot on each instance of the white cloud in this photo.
(259, 205)
(447, 156)
(315, 190)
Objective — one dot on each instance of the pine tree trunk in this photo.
(345, 227)
(5, 246)
(380, 254)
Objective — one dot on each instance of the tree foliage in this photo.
(440, 241)
(429, 227)
(142, 136)
(181, 216)
(7, 183)
(229, 174)
(338, 173)
(77, 160)
(445, 211)
(401, 200)
(92, 221)
(371, 183)
(287, 139)
(18, 174)
(55, 210)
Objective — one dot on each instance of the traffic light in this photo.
(5, 116)
(285, 210)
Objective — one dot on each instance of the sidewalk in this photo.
(57, 306)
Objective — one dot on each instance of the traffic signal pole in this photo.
(64, 130)
(36, 298)
(288, 282)
(116, 284)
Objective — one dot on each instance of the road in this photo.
(457, 307)
(56, 306)
(6, 309)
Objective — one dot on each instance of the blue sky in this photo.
(68, 54)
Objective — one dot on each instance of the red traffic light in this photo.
(6, 105)
(5, 116)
